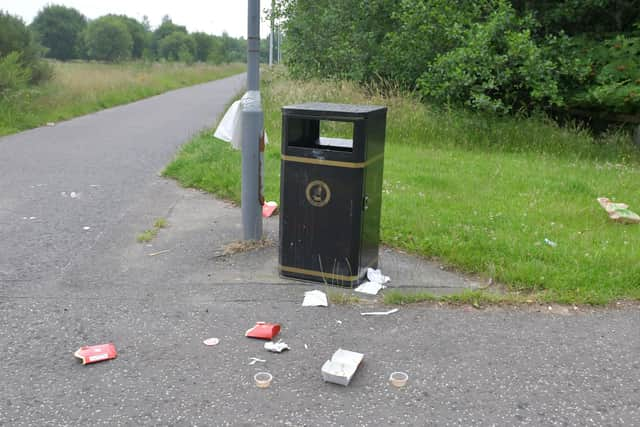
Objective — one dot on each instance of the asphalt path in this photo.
(71, 274)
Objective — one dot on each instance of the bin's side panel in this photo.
(373, 180)
(320, 222)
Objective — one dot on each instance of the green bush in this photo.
(108, 39)
(422, 30)
(16, 37)
(498, 67)
(504, 56)
(177, 47)
(13, 75)
(59, 29)
(614, 82)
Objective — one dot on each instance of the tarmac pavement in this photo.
(63, 286)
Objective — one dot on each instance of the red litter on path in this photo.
(263, 330)
(269, 208)
(96, 353)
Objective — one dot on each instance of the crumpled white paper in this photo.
(315, 299)
(375, 283)
(276, 347)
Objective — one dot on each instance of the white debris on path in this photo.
(379, 313)
(315, 299)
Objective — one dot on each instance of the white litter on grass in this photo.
(342, 366)
(315, 299)
(379, 313)
(370, 288)
(550, 242)
(276, 347)
(254, 360)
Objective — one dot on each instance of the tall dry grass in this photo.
(82, 87)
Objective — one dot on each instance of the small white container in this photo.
(263, 379)
(398, 379)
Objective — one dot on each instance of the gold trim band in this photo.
(337, 163)
(323, 275)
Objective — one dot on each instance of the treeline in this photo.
(65, 33)
(497, 55)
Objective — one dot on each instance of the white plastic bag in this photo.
(230, 127)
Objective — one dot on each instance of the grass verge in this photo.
(481, 193)
(475, 298)
(79, 88)
(150, 234)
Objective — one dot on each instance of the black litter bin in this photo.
(330, 192)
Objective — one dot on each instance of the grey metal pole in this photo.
(273, 4)
(253, 46)
(252, 132)
(279, 45)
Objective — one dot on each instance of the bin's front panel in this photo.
(320, 222)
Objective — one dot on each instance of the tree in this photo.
(177, 47)
(59, 29)
(139, 34)
(167, 27)
(17, 39)
(204, 46)
(233, 50)
(108, 39)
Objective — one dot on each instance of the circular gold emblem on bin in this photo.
(318, 193)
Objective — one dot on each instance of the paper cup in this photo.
(263, 379)
(398, 379)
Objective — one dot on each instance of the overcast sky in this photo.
(209, 16)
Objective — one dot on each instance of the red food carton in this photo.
(263, 330)
(96, 353)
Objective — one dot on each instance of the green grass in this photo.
(477, 192)
(475, 298)
(160, 223)
(147, 235)
(150, 234)
(342, 297)
(79, 88)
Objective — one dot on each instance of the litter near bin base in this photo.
(619, 212)
(263, 330)
(276, 347)
(315, 299)
(379, 313)
(370, 288)
(377, 276)
(342, 366)
(96, 353)
(375, 283)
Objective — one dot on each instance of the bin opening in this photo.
(324, 141)
(324, 134)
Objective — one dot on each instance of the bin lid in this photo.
(324, 108)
